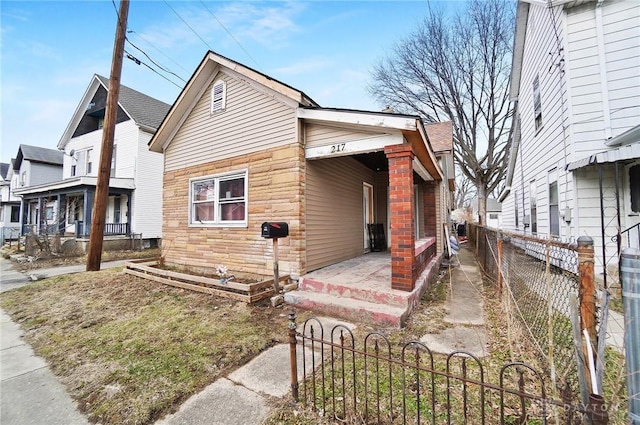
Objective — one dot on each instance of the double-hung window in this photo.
(537, 103)
(219, 200)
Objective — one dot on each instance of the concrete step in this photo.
(369, 294)
(351, 309)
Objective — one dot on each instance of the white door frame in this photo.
(367, 211)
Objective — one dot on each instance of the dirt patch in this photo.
(129, 350)
(34, 263)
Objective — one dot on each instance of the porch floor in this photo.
(369, 271)
(360, 289)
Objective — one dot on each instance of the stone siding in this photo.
(276, 192)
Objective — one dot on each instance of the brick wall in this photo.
(402, 209)
(276, 192)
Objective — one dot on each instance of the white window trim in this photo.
(217, 177)
(218, 103)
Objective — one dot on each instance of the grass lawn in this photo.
(129, 350)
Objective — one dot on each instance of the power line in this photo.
(230, 35)
(139, 62)
(187, 24)
(154, 62)
(158, 50)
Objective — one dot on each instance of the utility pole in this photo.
(94, 255)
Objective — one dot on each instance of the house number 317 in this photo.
(337, 148)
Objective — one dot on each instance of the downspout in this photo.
(606, 111)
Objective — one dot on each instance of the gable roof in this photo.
(209, 67)
(4, 169)
(147, 112)
(37, 154)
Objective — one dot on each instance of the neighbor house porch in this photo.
(65, 208)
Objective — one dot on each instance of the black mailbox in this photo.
(272, 229)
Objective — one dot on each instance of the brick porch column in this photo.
(430, 211)
(402, 208)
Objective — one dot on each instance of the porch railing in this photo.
(631, 236)
(39, 229)
(110, 229)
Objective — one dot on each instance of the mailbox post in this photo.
(274, 230)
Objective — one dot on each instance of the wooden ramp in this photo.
(247, 292)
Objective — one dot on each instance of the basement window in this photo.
(218, 96)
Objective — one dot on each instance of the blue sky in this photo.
(50, 50)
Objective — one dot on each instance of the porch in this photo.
(361, 288)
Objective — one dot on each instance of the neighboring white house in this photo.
(574, 166)
(494, 212)
(9, 204)
(135, 185)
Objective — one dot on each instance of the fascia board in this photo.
(358, 118)
(522, 16)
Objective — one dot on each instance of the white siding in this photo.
(620, 38)
(253, 121)
(549, 144)
(146, 204)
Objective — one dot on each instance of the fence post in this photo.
(586, 294)
(500, 263)
(292, 355)
(630, 279)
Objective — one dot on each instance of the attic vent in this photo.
(90, 105)
(218, 96)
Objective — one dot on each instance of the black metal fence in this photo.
(378, 383)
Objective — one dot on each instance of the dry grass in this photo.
(130, 351)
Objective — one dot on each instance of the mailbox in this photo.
(272, 229)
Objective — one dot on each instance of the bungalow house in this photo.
(135, 182)
(9, 204)
(241, 148)
(574, 167)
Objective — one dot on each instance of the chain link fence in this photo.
(537, 279)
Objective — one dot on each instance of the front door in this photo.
(367, 209)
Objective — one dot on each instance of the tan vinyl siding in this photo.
(322, 135)
(334, 218)
(252, 121)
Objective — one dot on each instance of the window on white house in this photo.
(15, 214)
(112, 173)
(219, 199)
(534, 207)
(218, 96)
(634, 187)
(515, 200)
(537, 103)
(89, 161)
(23, 178)
(554, 212)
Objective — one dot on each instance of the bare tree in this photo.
(465, 191)
(458, 70)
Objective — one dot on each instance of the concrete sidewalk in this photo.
(31, 394)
